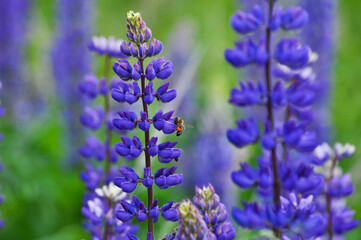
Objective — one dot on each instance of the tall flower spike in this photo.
(321, 35)
(70, 62)
(140, 47)
(14, 26)
(287, 92)
(104, 197)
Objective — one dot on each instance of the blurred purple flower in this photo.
(70, 61)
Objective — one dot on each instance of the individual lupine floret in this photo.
(111, 192)
(89, 86)
(165, 178)
(129, 148)
(128, 181)
(123, 69)
(164, 94)
(128, 120)
(246, 177)
(164, 122)
(300, 178)
(92, 177)
(250, 94)
(159, 68)
(167, 152)
(92, 118)
(246, 133)
(247, 52)
(245, 23)
(93, 148)
(292, 54)
(294, 17)
(340, 186)
(124, 92)
(297, 137)
(343, 221)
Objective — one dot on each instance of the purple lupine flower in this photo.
(287, 92)
(204, 218)
(339, 217)
(322, 38)
(191, 223)
(140, 47)
(104, 198)
(70, 60)
(13, 29)
(96, 209)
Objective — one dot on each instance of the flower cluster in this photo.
(285, 179)
(205, 218)
(337, 187)
(103, 198)
(141, 47)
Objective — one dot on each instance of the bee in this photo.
(180, 125)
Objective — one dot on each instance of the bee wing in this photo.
(188, 125)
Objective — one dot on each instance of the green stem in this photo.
(147, 156)
(276, 178)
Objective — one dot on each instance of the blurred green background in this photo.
(44, 194)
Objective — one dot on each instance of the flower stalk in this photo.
(146, 152)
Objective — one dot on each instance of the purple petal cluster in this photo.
(101, 217)
(295, 215)
(205, 218)
(138, 90)
(163, 178)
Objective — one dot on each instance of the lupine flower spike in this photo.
(70, 61)
(141, 47)
(286, 182)
(204, 218)
(338, 186)
(103, 197)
